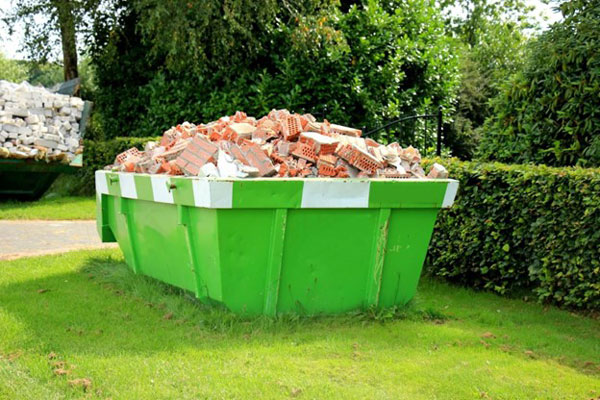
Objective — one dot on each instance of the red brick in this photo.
(344, 130)
(199, 152)
(175, 150)
(371, 142)
(326, 169)
(305, 151)
(259, 160)
(236, 152)
(328, 158)
(291, 127)
(359, 159)
(174, 168)
(277, 158)
(283, 169)
(214, 136)
(131, 153)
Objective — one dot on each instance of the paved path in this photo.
(29, 238)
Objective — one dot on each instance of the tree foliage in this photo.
(11, 70)
(490, 42)
(53, 24)
(363, 67)
(548, 112)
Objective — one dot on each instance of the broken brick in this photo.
(291, 128)
(344, 130)
(281, 143)
(236, 152)
(259, 160)
(326, 169)
(197, 153)
(305, 151)
(328, 158)
(131, 153)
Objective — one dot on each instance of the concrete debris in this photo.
(36, 123)
(280, 144)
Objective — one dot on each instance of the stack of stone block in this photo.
(37, 123)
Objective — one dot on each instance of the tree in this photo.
(548, 112)
(12, 70)
(48, 22)
(161, 64)
(491, 43)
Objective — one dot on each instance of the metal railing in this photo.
(438, 116)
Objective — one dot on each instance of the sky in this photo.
(11, 44)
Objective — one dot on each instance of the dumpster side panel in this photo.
(245, 237)
(102, 218)
(409, 232)
(158, 243)
(204, 237)
(114, 223)
(326, 252)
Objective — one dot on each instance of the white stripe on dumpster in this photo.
(101, 185)
(451, 190)
(213, 194)
(127, 184)
(160, 190)
(332, 194)
(221, 194)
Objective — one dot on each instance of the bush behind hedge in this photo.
(516, 227)
(98, 154)
(547, 113)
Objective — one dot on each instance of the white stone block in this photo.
(51, 137)
(18, 112)
(33, 119)
(46, 143)
(10, 128)
(27, 140)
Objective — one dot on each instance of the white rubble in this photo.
(37, 123)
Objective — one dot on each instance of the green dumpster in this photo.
(29, 179)
(275, 246)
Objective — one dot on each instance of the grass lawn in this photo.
(55, 208)
(82, 319)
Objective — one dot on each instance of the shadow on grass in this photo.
(104, 309)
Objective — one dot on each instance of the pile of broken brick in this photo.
(281, 144)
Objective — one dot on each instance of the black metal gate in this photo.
(438, 116)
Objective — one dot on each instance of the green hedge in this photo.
(522, 227)
(98, 154)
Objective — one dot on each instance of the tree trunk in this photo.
(66, 22)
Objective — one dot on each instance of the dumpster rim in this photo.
(216, 193)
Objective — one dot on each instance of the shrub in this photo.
(517, 227)
(548, 113)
